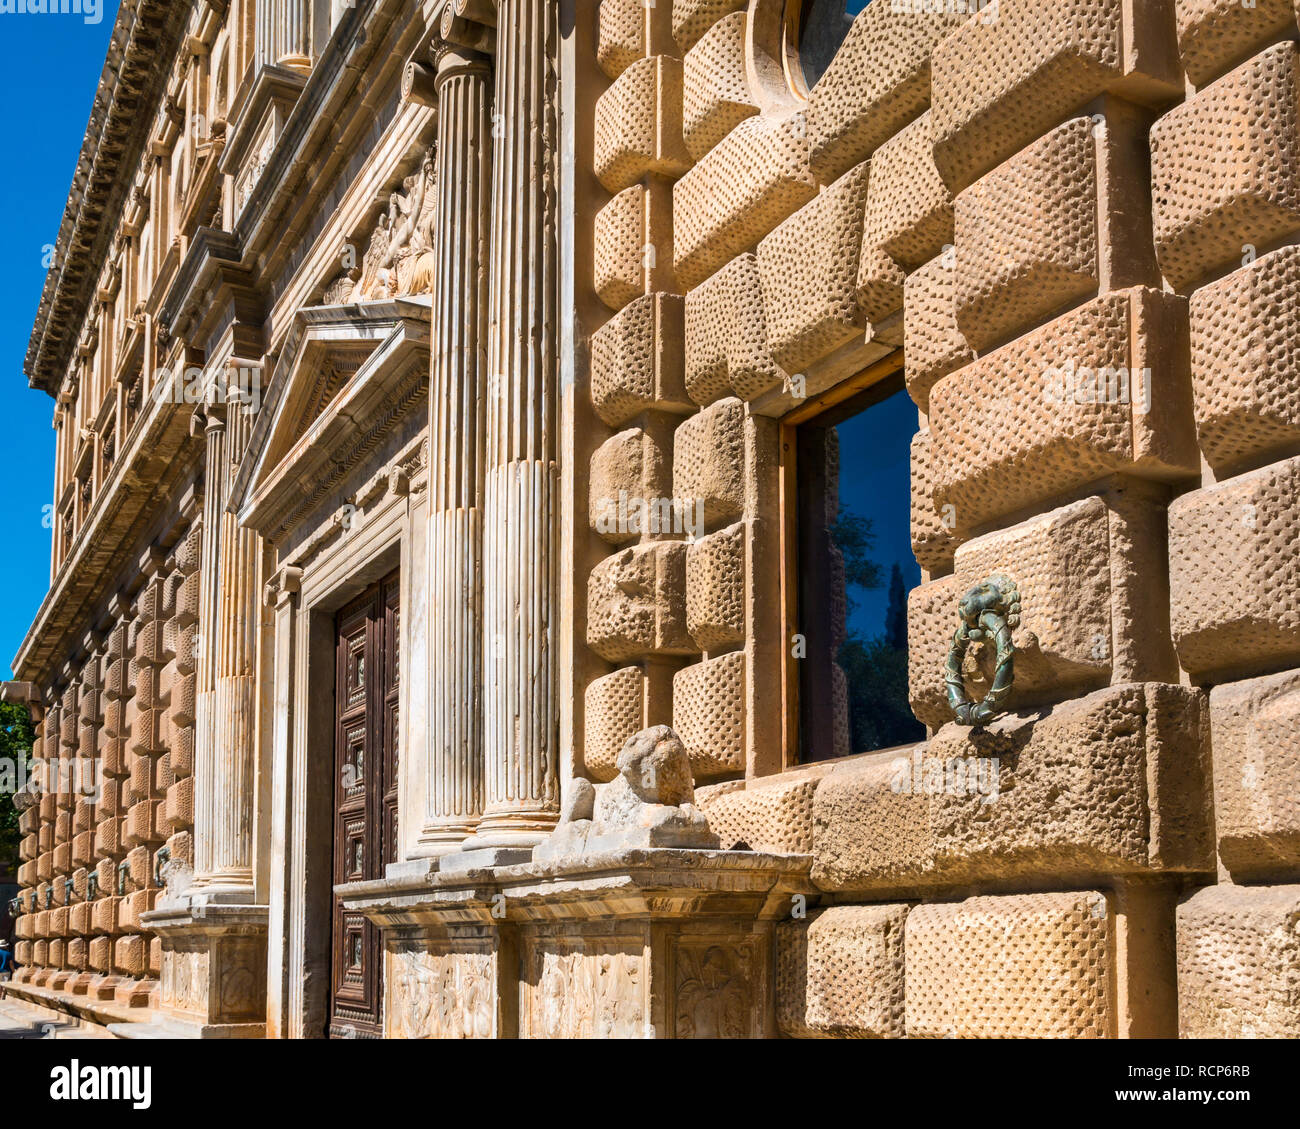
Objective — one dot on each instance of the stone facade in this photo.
(428, 291)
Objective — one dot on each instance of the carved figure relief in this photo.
(399, 259)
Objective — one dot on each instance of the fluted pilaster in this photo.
(224, 739)
(457, 403)
(521, 527)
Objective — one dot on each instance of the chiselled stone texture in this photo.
(716, 95)
(715, 589)
(741, 190)
(626, 471)
(1245, 371)
(636, 603)
(1117, 782)
(1021, 966)
(775, 818)
(1026, 236)
(877, 83)
(726, 336)
(840, 973)
(909, 210)
(639, 124)
(709, 462)
(1061, 564)
(620, 39)
(692, 18)
(622, 248)
(808, 268)
(614, 711)
(1245, 611)
(709, 714)
(1212, 34)
(1255, 727)
(1225, 167)
(636, 361)
(1239, 963)
(933, 542)
(1102, 389)
(1001, 80)
(933, 345)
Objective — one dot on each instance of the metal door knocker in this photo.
(990, 610)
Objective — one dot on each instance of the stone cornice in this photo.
(145, 38)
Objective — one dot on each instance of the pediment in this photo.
(344, 375)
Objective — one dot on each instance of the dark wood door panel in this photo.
(365, 796)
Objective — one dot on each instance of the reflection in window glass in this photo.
(823, 24)
(855, 570)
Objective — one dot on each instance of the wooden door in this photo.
(365, 797)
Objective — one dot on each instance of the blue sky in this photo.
(49, 69)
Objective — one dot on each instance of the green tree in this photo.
(16, 737)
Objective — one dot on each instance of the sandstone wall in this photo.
(1077, 222)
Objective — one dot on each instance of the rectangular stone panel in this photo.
(1245, 364)
(1027, 236)
(1021, 966)
(1242, 615)
(1117, 782)
(878, 81)
(1011, 73)
(1256, 738)
(1239, 962)
(1100, 390)
(741, 190)
(1225, 168)
(809, 268)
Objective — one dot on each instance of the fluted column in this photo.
(293, 38)
(457, 403)
(521, 527)
(224, 740)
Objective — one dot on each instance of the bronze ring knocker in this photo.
(990, 610)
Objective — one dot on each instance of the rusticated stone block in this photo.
(692, 18)
(99, 954)
(775, 818)
(636, 361)
(639, 125)
(184, 700)
(1245, 371)
(1255, 727)
(933, 542)
(614, 711)
(1026, 236)
(716, 96)
(1225, 168)
(131, 955)
(740, 191)
(878, 81)
(909, 210)
(715, 589)
(636, 603)
(629, 487)
(187, 599)
(1062, 566)
(709, 462)
(1117, 782)
(620, 38)
(709, 714)
(180, 803)
(622, 246)
(1239, 963)
(1100, 390)
(726, 336)
(855, 972)
(1023, 966)
(1011, 73)
(1213, 34)
(1244, 614)
(808, 267)
(792, 977)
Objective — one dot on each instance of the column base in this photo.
(213, 981)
